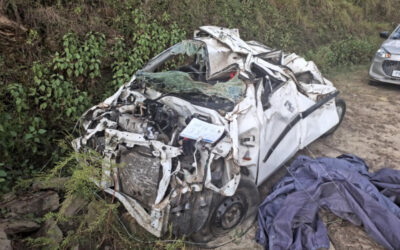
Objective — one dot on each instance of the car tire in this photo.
(341, 110)
(229, 213)
(372, 83)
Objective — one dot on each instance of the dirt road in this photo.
(370, 130)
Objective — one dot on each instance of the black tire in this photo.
(246, 199)
(372, 83)
(341, 109)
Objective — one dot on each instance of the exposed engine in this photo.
(156, 166)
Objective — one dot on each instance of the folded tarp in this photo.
(288, 217)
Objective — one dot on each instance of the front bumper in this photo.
(377, 72)
(155, 222)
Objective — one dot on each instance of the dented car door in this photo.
(279, 137)
(292, 120)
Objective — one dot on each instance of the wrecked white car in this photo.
(201, 125)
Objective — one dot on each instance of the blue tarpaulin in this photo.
(288, 217)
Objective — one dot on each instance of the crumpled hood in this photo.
(392, 46)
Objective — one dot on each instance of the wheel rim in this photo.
(232, 216)
(228, 214)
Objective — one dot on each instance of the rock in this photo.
(7, 197)
(5, 243)
(52, 232)
(93, 209)
(38, 203)
(14, 226)
(130, 223)
(57, 184)
(69, 208)
(72, 205)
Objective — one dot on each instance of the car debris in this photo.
(288, 217)
(385, 66)
(187, 140)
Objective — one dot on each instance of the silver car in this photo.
(385, 66)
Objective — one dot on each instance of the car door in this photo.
(276, 109)
(290, 121)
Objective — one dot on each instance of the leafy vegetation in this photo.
(57, 58)
(41, 103)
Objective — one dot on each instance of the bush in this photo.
(42, 109)
(348, 52)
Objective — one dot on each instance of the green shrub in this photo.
(351, 51)
(42, 109)
(144, 38)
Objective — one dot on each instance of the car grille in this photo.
(389, 66)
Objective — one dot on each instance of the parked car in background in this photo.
(385, 66)
(201, 126)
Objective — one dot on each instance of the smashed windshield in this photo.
(187, 56)
(181, 82)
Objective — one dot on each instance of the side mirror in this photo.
(384, 34)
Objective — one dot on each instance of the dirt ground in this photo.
(369, 130)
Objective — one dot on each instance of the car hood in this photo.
(392, 46)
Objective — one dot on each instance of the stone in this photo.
(5, 243)
(37, 204)
(57, 184)
(130, 223)
(15, 226)
(72, 205)
(51, 231)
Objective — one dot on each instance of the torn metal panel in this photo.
(259, 48)
(229, 37)
(220, 58)
(153, 222)
(229, 188)
(272, 70)
(300, 66)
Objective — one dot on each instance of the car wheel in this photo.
(372, 83)
(341, 110)
(229, 213)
